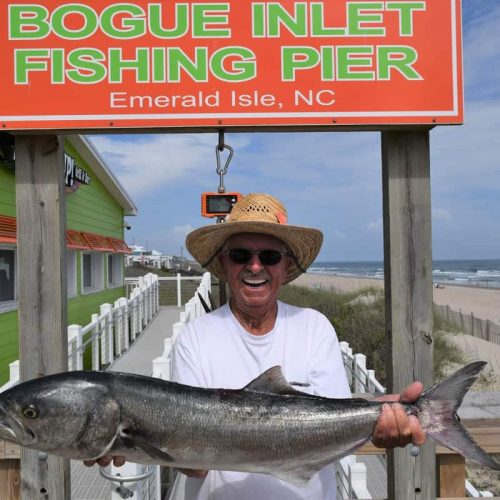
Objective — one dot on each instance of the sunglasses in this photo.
(266, 257)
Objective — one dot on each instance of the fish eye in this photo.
(30, 411)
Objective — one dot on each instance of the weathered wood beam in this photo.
(408, 292)
(42, 297)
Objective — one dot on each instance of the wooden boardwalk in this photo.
(138, 359)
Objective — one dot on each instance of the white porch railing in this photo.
(13, 376)
(192, 309)
(360, 379)
(178, 279)
(110, 332)
(351, 474)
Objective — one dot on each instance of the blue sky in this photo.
(332, 180)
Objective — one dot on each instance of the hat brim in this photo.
(304, 243)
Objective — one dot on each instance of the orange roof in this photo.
(98, 242)
(75, 239)
(7, 229)
(78, 240)
(120, 246)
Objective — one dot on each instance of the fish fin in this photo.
(301, 475)
(456, 437)
(95, 439)
(454, 388)
(156, 454)
(437, 407)
(273, 381)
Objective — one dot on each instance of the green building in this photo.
(96, 204)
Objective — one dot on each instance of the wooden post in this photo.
(41, 267)
(10, 475)
(408, 292)
(451, 476)
(9, 479)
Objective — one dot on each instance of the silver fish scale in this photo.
(225, 428)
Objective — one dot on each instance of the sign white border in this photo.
(330, 114)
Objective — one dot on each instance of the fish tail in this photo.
(437, 409)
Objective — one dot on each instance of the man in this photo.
(256, 252)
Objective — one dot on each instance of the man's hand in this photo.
(395, 428)
(104, 461)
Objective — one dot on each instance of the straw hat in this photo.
(256, 213)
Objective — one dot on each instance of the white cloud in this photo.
(467, 156)
(481, 50)
(148, 162)
(441, 214)
(339, 235)
(375, 225)
(182, 230)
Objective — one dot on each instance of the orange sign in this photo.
(104, 64)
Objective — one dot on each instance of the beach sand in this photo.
(483, 302)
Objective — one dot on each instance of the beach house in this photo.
(96, 204)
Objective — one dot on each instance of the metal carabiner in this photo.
(222, 170)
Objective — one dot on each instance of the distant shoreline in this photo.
(483, 302)
(441, 282)
(469, 272)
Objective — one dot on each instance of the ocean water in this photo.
(458, 272)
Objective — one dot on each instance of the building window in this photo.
(115, 270)
(71, 272)
(7, 277)
(92, 272)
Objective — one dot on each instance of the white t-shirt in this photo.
(216, 351)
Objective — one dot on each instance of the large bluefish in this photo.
(266, 427)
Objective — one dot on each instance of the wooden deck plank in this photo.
(10, 479)
(9, 451)
(451, 475)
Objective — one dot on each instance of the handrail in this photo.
(361, 380)
(111, 331)
(192, 309)
(129, 282)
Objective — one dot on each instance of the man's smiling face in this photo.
(254, 284)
